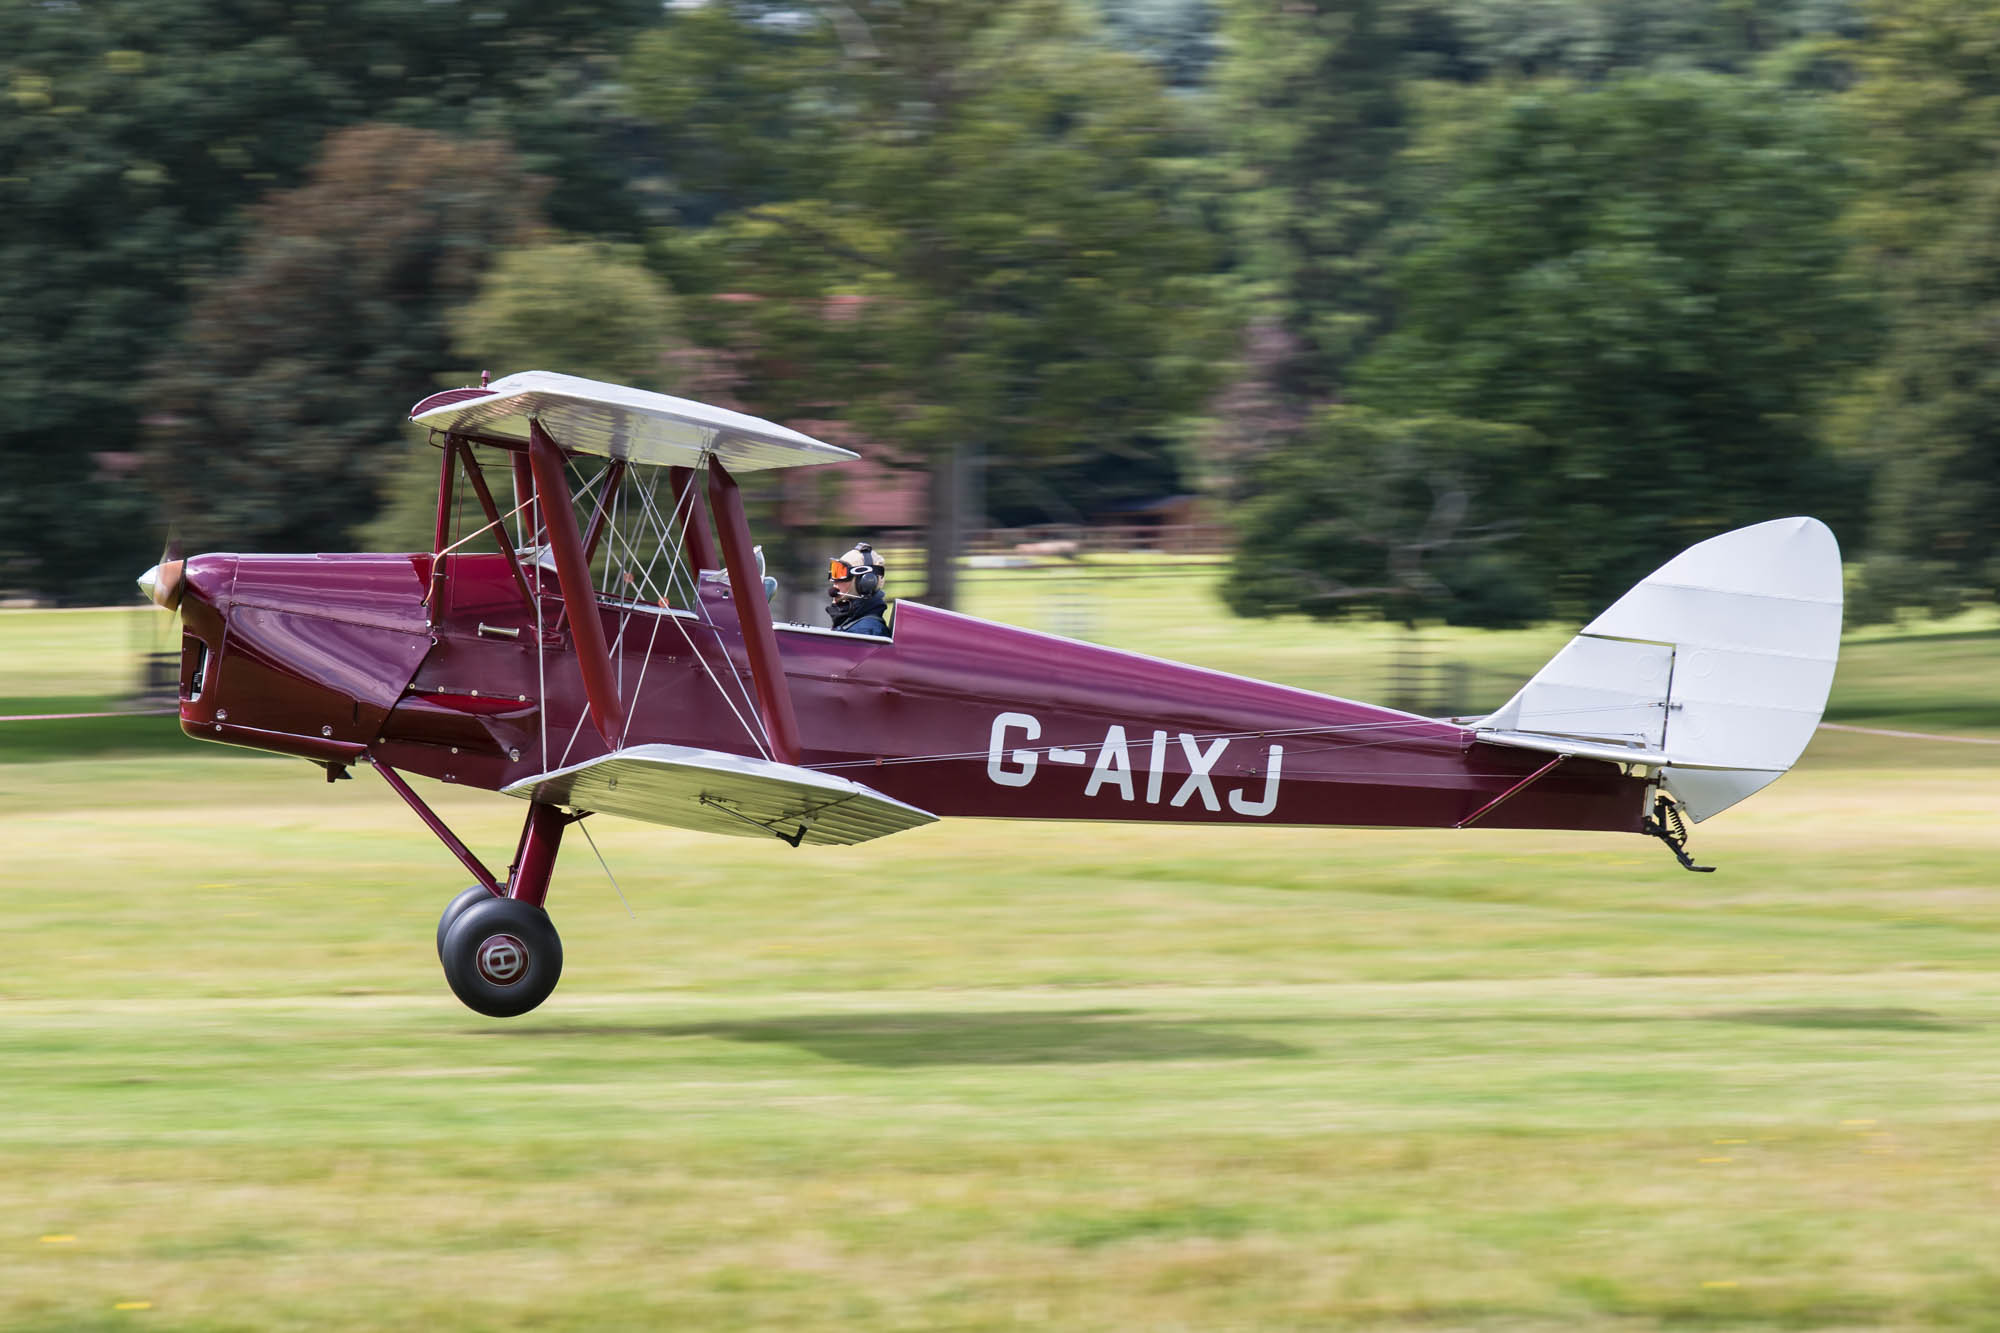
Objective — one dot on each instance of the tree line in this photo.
(1470, 310)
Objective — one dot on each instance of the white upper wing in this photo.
(612, 421)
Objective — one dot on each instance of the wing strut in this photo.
(441, 529)
(593, 658)
(530, 528)
(697, 542)
(753, 614)
(614, 476)
(493, 519)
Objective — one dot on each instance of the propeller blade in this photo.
(164, 582)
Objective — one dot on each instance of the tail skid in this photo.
(1712, 672)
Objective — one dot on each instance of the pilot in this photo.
(854, 592)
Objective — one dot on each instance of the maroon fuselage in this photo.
(335, 658)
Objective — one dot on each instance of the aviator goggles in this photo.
(837, 570)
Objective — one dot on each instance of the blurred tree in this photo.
(133, 136)
(582, 307)
(970, 244)
(1399, 517)
(1311, 115)
(1592, 39)
(1181, 38)
(273, 416)
(1929, 226)
(729, 88)
(1645, 274)
(1314, 106)
(586, 307)
(1110, 478)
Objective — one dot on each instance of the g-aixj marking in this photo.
(609, 648)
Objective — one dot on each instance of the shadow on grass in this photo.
(1877, 1020)
(1082, 1036)
(1106, 1036)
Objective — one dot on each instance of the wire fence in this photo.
(1057, 539)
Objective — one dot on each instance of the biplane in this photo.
(605, 644)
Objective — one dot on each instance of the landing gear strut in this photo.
(500, 951)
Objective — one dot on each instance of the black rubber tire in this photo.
(502, 957)
(453, 909)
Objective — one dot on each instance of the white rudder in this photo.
(1714, 670)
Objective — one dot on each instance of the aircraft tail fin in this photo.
(1714, 670)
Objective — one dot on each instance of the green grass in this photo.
(1932, 676)
(77, 656)
(995, 1076)
(58, 739)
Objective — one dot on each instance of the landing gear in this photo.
(500, 952)
(501, 956)
(1666, 824)
(456, 908)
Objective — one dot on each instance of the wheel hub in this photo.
(502, 959)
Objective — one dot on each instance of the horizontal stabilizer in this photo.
(1580, 749)
(1715, 670)
(713, 792)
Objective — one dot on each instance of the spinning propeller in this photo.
(164, 582)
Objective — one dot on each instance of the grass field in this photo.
(989, 1076)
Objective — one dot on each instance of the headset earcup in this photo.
(866, 582)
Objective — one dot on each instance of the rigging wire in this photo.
(767, 745)
(1332, 730)
(664, 527)
(607, 870)
(754, 729)
(665, 530)
(624, 554)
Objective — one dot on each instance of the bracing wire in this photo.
(630, 579)
(766, 744)
(1269, 733)
(607, 871)
(661, 528)
(665, 531)
(752, 728)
